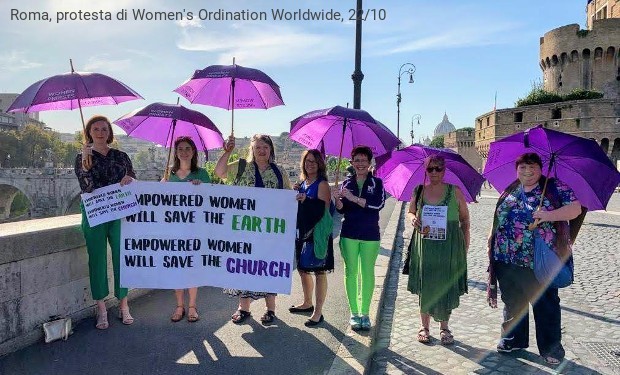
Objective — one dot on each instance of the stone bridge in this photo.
(50, 191)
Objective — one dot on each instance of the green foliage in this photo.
(582, 33)
(332, 163)
(437, 142)
(20, 205)
(581, 94)
(538, 96)
(210, 167)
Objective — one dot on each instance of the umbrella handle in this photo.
(167, 170)
(533, 225)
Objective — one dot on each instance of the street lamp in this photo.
(418, 117)
(357, 75)
(409, 68)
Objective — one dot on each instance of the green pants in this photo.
(97, 239)
(359, 260)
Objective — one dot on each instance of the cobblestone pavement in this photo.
(590, 311)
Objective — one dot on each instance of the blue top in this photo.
(312, 192)
(362, 223)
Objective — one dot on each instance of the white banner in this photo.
(218, 235)
(109, 203)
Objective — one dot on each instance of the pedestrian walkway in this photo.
(590, 312)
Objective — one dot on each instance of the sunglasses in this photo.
(436, 169)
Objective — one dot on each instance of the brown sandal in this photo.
(240, 316)
(192, 318)
(177, 316)
(424, 335)
(268, 318)
(446, 337)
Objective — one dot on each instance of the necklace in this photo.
(309, 181)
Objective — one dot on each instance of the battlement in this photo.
(572, 58)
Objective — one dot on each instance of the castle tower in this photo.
(571, 58)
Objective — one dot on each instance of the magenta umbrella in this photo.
(337, 130)
(578, 162)
(162, 123)
(231, 87)
(404, 169)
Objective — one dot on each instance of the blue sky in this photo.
(464, 51)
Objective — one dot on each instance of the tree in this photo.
(437, 142)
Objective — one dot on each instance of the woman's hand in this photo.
(230, 144)
(417, 223)
(346, 193)
(297, 186)
(87, 156)
(300, 197)
(196, 182)
(126, 180)
(542, 215)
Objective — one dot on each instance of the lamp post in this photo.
(357, 75)
(418, 117)
(409, 68)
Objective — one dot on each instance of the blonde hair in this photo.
(265, 138)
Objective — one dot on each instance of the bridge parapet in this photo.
(43, 272)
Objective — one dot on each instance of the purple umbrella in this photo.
(72, 90)
(162, 123)
(577, 161)
(231, 87)
(404, 169)
(338, 130)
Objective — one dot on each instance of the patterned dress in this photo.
(514, 242)
(438, 269)
(247, 178)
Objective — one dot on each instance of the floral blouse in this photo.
(514, 242)
(106, 170)
(247, 178)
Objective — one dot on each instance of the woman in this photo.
(438, 264)
(511, 247)
(98, 166)
(185, 169)
(259, 170)
(360, 199)
(315, 203)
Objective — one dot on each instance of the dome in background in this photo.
(444, 126)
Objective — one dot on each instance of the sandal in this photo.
(178, 314)
(102, 320)
(424, 335)
(552, 360)
(125, 316)
(240, 316)
(446, 337)
(268, 318)
(192, 318)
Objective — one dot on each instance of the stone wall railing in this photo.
(43, 272)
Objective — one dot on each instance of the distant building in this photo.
(444, 127)
(462, 141)
(19, 119)
(600, 10)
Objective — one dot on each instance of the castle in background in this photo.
(571, 58)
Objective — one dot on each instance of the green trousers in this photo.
(97, 239)
(359, 268)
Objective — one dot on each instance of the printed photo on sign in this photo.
(188, 235)
(109, 203)
(434, 222)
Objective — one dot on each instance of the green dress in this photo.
(438, 269)
(200, 174)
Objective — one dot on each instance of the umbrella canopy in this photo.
(337, 130)
(578, 162)
(72, 90)
(404, 169)
(231, 87)
(162, 123)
